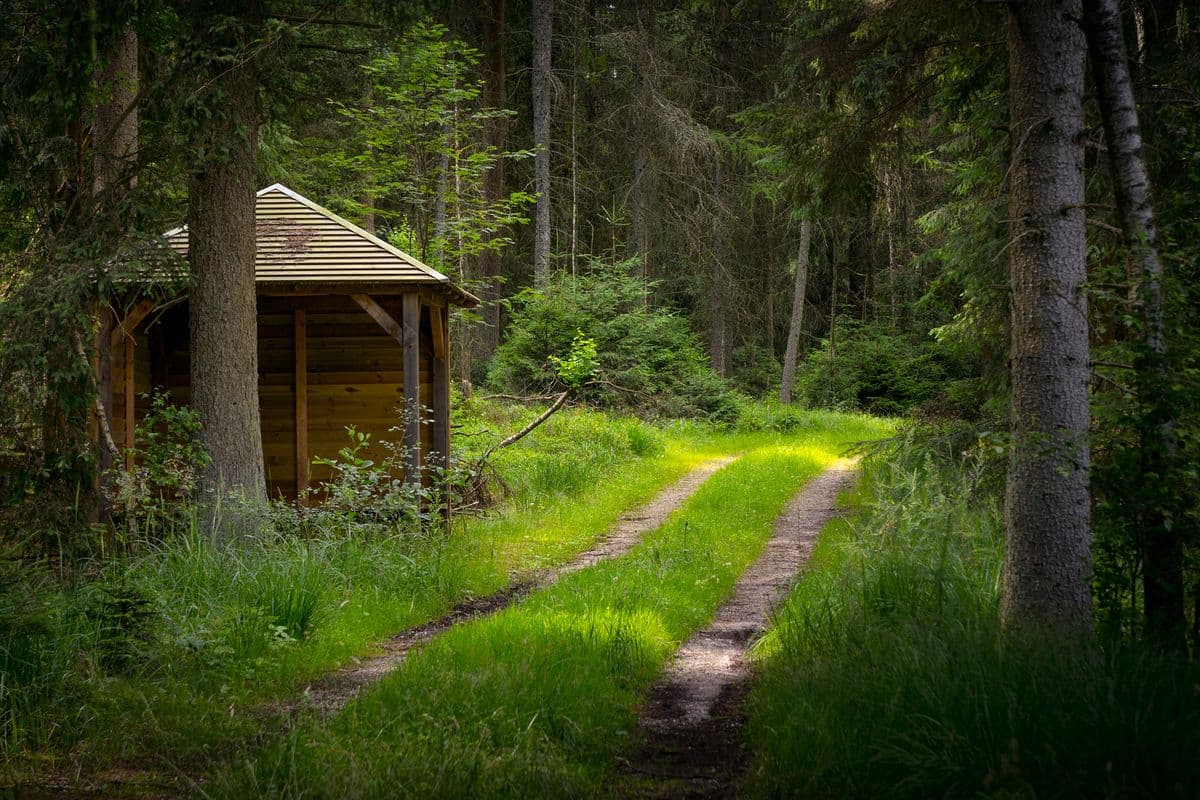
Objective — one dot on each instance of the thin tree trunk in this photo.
(1047, 559)
(543, 21)
(221, 234)
(439, 205)
(574, 148)
(1162, 548)
(717, 308)
(495, 96)
(798, 293)
(640, 229)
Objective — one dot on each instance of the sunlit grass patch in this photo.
(887, 673)
(540, 700)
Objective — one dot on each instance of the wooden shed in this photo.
(351, 331)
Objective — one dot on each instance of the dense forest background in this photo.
(713, 192)
(967, 231)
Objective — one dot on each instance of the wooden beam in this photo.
(440, 401)
(125, 328)
(380, 314)
(411, 338)
(301, 388)
(130, 400)
(439, 335)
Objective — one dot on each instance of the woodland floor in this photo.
(689, 740)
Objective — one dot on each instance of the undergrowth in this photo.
(539, 700)
(887, 675)
(172, 639)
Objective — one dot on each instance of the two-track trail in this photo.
(332, 691)
(691, 723)
(329, 693)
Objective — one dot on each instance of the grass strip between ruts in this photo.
(539, 700)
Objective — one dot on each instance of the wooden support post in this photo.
(411, 307)
(104, 380)
(440, 402)
(301, 387)
(130, 398)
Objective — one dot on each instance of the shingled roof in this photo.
(299, 241)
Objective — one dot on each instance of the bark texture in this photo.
(115, 126)
(543, 16)
(1047, 559)
(224, 336)
(114, 164)
(495, 95)
(1162, 549)
(800, 288)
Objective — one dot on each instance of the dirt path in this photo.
(331, 692)
(690, 726)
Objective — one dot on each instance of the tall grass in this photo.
(539, 701)
(156, 656)
(887, 674)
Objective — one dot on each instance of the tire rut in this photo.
(332, 691)
(690, 727)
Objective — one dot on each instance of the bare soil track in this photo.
(690, 742)
(331, 692)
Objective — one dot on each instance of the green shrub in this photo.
(646, 358)
(872, 368)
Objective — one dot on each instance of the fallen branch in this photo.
(521, 434)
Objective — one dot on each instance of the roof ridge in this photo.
(347, 224)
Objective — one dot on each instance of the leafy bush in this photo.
(646, 358)
(158, 493)
(872, 368)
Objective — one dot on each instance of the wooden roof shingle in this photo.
(301, 242)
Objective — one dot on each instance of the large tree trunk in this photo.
(1047, 559)
(543, 12)
(801, 287)
(1162, 549)
(115, 127)
(224, 336)
(114, 162)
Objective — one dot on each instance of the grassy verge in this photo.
(886, 674)
(153, 656)
(539, 700)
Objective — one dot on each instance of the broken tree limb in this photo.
(528, 429)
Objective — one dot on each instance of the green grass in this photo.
(887, 675)
(539, 700)
(170, 647)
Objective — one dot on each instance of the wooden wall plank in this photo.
(130, 397)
